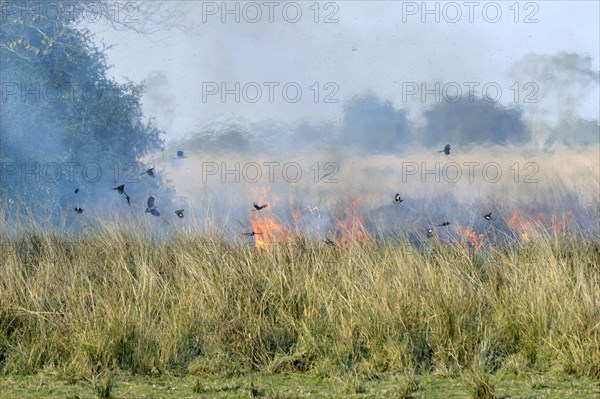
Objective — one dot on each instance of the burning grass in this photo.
(116, 301)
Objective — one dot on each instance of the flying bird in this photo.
(397, 198)
(121, 190)
(329, 242)
(151, 206)
(76, 190)
(149, 172)
(180, 154)
(179, 213)
(259, 207)
(443, 224)
(78, 210)
(488, 216)
(251, 234)
(446, 149)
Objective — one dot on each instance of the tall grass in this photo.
(116, 300)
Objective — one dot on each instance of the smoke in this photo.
(157, 100)
(320, 176)
(477, 178)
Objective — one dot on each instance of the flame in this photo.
(526, 226)
(561, 225)
(296, 215)
(350, 223)
(471, 237)
(264, 222)
(518, 221)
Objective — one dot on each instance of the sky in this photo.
(383, 47)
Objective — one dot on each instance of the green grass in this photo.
(288, 386)
(114, 315)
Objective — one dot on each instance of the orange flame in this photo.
(296, 215)
(472, 237)
(264, 223)
(525, 225)
(350, 223)
(561, 225)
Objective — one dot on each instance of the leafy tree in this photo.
(58, 105)
(375, 125)
(472, 119)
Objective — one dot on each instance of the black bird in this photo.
(180, 154)
(149, 172)
(179, 213)
(152, 206)
(488, 216)
(251, 234)
(443, 224)
(76, 190)
(329, 242)
(259, 207)
(397, 198)
(78, 210)
(446, 149)
(121, 190)
(429, 232)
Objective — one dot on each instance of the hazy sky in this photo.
(383, 46)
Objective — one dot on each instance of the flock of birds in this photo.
(151, 206)
(150, 203)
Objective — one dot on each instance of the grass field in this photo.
(289, 386)
(116, 315)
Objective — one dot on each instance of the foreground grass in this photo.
(199, 308)
(286, 386)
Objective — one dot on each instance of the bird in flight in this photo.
(151, 206)
(259, 207)
(76, 190)
(329, 242)
(488, 216)
(179, 213)
(397, 198)
(149, 172)
(121, 190)
(180, 154)
(446, 149)
(251, 234)
(78, 210)
(443, 224)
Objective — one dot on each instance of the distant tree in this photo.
(375, 125)
(473, 119)
(567, 82)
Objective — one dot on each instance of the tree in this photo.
(59, 108)
(472, 119)
(375, 125)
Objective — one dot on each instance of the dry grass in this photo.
(116, 301)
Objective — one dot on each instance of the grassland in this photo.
(114, 314)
